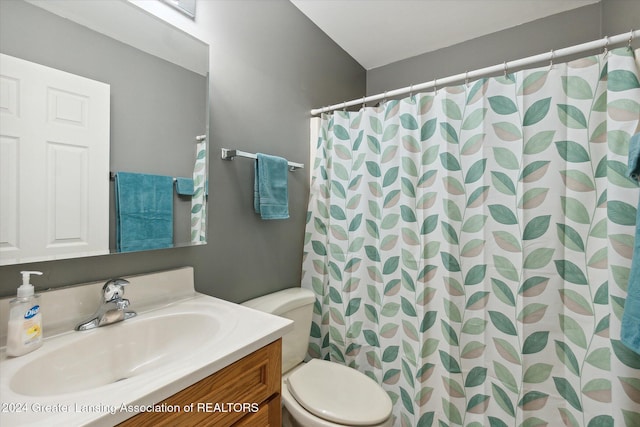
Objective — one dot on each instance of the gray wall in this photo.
(620, 16)
(157, 108)
(609, 17)
(269, 66)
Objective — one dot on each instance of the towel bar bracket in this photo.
(228, 154)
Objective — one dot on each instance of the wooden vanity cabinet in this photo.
(254, 381)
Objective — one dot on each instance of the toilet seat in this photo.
(339, 394)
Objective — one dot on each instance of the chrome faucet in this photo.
(112, 308)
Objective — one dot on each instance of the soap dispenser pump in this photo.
(24, 332)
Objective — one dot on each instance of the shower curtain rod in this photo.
(550, 56)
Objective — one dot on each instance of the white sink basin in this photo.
(117, 352)
(93, 378)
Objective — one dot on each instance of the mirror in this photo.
(158, 113)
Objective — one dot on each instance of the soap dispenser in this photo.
(24, 333)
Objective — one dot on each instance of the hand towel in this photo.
(630, 329)
(271, 195)
(144, 211)
(184, 186)
(634, 157)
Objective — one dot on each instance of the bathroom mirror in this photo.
(158, 80)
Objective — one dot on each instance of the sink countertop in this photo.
(243, 331)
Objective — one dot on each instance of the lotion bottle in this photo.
(24, 333)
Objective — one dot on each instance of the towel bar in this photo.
(228, 154)
(112, 176)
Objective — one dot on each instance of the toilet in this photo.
(320, 393)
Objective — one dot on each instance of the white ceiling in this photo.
(379, 32)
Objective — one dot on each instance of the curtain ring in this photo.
(344, 106)
(505, 68)
(551, 60)
(466, 78)
(435, 86)
(363, 102)
(630, 38)
(411, 91)
(606, 46)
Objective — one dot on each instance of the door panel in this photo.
(55, 126)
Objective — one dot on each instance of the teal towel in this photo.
(184, 186)
(271, 195)
(630, 330)
(144, 211)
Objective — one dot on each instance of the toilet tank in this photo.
(295, 304)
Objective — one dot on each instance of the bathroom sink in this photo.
(116, 353)
(102, 376)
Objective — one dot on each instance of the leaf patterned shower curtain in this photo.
(199, 198)
(470, 248)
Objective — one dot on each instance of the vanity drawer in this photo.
(252, 380)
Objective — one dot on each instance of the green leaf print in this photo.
(476, 171)
(505, 376)
(534, 171)
(506, 158)
(503, 183)
(570, 272)
(537, 373)
(450, 262)
(503, 292)
(621, 80)
(536, 227)
(449, 362)
(567, 391)
(570, 238)
(538, 258)
(478, 404)
(448, 133)
(573, 331)
(576, 87)
(571, 116)
(451, 109)
(427, 130)
(621, 213)
(502, 214)
(572, 151)
(502, 323)
(535, 114)
(408, 122)
(533, 82)
(449, 162)
(502, 105)
(505, 267)
(502, 398)
(533, 400)
(476, 377)
(601, 421)
(575, 210)
(535, 342)
(567, 356)
(625, 355)
(341, 133)
(474, 119)
(539, 142)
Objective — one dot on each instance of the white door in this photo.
(54, 163)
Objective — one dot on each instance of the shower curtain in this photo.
(199, 198)
(470, 248)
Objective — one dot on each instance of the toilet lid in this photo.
(339, 394)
